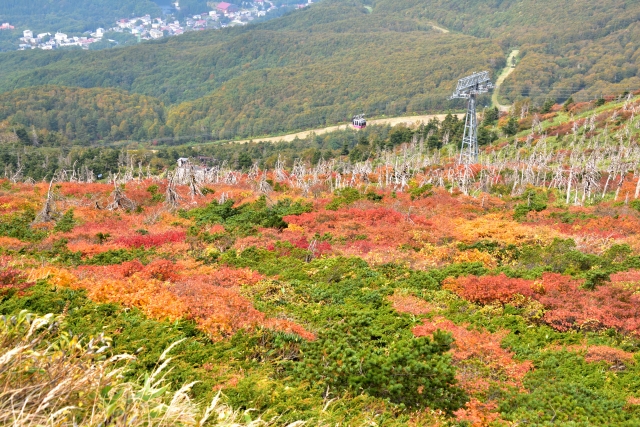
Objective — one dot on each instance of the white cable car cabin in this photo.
(359, 122)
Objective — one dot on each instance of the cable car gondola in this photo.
(359, 122)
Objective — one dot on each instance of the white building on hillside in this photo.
(156, 34)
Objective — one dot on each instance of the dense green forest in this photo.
(72, 16)
(322, 64)
(84, 115)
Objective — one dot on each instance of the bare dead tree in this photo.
(263, 186)
(120, 200)
(48, 212)
(194, 186)
(172, 198)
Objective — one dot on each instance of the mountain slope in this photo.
(383, 73)
(336, 58)
(84, 115)
(572, 47)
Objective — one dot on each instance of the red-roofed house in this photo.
(225, 7)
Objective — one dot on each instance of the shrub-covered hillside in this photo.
(398, 289)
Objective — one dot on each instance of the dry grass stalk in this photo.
(52, 378)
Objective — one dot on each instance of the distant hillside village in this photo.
(147, 28)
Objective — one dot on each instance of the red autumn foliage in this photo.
(570, 307)
(364, 217)
(79, 189)
(118, 271)
(320, 248)
(630, 276)
(610, 355)
(561, 130)
(484, 346)
(151, 240)
(222, 311)
(160, 269)
(128, 268)
(469, 348)
(362, 228)
(567, 305)
(229, 277)
(489, 289)
(12, 279)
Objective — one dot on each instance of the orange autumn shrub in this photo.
(159, 269)
(118, 271)
(478, 345)
(495, 228)
(478, 414)
(476, 256)
(633, 400)
(381, 227)
(80, 190)
(610, 355)
(151, 296)
(228, 277)
(480, 362)
(222, 311)
(12, 243)
(9, 204)
(55, 276)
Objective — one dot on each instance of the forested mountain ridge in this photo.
(322, 64)
(565, 47)
(524, 21)
(78, 114)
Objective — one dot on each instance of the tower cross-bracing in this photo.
(468, 88)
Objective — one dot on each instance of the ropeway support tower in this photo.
(468, 88)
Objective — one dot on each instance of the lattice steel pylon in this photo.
(468, 88)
